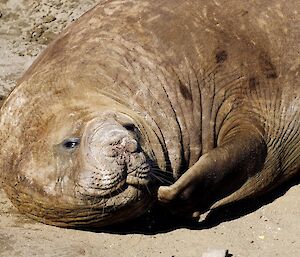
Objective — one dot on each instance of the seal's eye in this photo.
(71, 143)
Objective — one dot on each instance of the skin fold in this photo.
(135, 90)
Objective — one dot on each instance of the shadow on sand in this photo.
(159, 220)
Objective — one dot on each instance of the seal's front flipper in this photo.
(240, 155)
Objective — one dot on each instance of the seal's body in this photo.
(207, 91)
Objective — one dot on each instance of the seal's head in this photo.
(76, 164)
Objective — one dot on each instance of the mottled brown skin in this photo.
(205, 89)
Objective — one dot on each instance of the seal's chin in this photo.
(94, 207)
(92, 212)
(123, 200)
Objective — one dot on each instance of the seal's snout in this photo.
(110, 158)
(110, 138)
(122, 145)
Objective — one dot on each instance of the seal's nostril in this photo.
(129, 127)
(131, 146)
(110, 152)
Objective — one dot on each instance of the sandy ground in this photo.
(273, 229)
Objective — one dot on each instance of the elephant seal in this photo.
(136, 89)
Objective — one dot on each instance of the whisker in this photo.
(169, 179)
(103, 209)
(114, 205)
(162, 171)
(162, 174)
(161, 179)
(119, 190)
(148, 190)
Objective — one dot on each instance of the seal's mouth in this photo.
(114, 183)
(137, 182)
